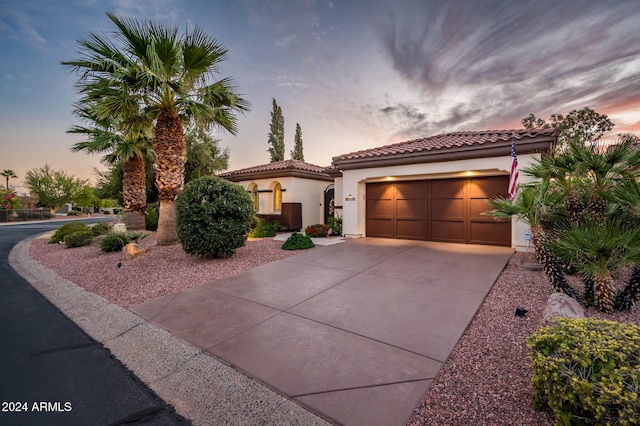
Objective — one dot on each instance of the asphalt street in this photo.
(51, 371)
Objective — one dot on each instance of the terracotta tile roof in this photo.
(445, 142)
(279, 168)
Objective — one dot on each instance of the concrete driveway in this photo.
(354, 332)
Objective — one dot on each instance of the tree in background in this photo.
(126, 140)
(174, 77)
(54, 188)
(296, 153)
(585, 125)
(8, 174)
(276, 134)
(204, 155)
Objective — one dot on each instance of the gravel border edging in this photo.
(199, 387)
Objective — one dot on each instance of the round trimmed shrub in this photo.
(263, 230)
(213, 217)
(66, 229)
(298, 241)
(114, 241)
(78, 238)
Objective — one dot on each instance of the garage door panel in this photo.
(410, 209)
(381, 228)
(415, 190)
(379, 208)
(489, 187)
(477, 207)
(447, 188)
(411, 229)
(447, 209)
(492, 233)
(379, 191)
(447, 231)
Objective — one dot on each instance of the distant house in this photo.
(281, 189)
(435, 188)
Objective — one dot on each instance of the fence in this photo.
(19, 215)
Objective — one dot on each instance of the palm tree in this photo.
(172, 76)
(122, 142)
(583, 212)
(8, 174)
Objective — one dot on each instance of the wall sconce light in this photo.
(350, 198)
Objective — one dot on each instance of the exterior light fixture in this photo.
(350, 198)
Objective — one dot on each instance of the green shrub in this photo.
(318, 230)
(213, 217)
(114, 241)
(117, 211)
(78, 238)
(151, 219)
(135, 236)
(72, 213)
(66, 229)
(106, 212)
(262, 231)
(335, 224)
(277, 226)
(102, 228)
(298, 241)
(587, 371)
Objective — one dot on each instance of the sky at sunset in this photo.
(354, 74)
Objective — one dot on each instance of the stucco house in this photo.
(435, 188)
(287, 190)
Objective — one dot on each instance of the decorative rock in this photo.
(561, 305)
(132, 250)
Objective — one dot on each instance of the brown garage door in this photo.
(448, 210)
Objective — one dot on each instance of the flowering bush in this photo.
(9, 200)
(318, 230)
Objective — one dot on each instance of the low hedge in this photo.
(263, 230)
(66, 229)
(317, 230)
(298, 241)
(587, 371)
(79, 238)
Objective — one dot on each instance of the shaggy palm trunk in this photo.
(169, 148)
(550, 265)
(134, 192)
(603, 286)
(627, 298)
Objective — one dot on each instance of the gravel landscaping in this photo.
(485, 381)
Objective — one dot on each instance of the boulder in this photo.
(561, 305)
(132, 250)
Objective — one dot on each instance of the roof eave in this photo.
(271, 174)
(467, 152)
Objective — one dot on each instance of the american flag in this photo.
(513, 176)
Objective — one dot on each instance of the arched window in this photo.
(253, 189)
(277, 197)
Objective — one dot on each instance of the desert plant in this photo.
(151, 219)
(263, 230)
(72, 213)
(114, 241)
(78, 238)
(317, 230)
(335, 224)
(297, 241)
(102, 228)
(277, 226)
(66, 229)
(587, 371)
(213, 217)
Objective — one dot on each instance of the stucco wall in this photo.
(308, 192)
(354, 186)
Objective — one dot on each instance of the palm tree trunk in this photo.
(604, 290)
(550, 264)
(627, 298)
(134, 192)
(169, 147)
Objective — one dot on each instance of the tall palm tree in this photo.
(8, 174)
(174, 77)
(121, 142)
